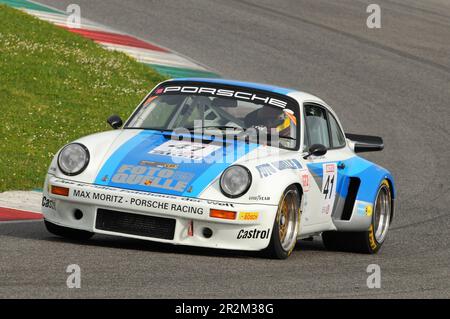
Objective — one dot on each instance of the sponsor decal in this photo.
(253, 234)
(130, 192)
(186, 209)
(157, 177)
(48, 203)
(248, 215)
(98, 196)
(223, 204)
(287, 164)
(177, 208)
(148, 203)
(305, 182)
(240, 95)
(330, 168)
(268, 169)
(259, 197)
(265, 170)
(159, 164)
(369, 210)
(185, 149)
(364, 209)
(138, 202)
(82, 194)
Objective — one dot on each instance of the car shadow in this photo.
(143, 245)
(37, 231)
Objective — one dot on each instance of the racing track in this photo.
(393, 82)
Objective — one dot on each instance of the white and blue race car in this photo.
(223, 164)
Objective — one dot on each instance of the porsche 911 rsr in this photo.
(223, 164)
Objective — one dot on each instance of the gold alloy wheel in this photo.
(287, 220)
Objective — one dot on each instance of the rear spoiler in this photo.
(365, 143)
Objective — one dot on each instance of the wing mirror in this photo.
(115, 121)
(316, 150)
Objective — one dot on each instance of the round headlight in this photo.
(235, 181)
(73, 159)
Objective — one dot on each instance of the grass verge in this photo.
(56, 86)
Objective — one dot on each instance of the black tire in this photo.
(66, 232)
(275, 249)
(360, 242)
(356, 242)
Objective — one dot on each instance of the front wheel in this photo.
(286, 224)
(368, 241)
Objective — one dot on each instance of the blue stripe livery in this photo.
(250, 85)
(369, 173)
(137, 165)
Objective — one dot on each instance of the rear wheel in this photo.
(66, 232)
(368, 241)
(286, 224)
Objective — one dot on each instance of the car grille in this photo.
(134, 224)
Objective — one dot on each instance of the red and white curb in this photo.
(163, 60)
(142, 51)
(20, 205)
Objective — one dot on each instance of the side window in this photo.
(337, 137)
(316, 125)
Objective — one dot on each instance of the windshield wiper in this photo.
(148, 129)
(220, 127)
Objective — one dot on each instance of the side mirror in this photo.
(316, 150)
(115, 121)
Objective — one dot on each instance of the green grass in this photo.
(56, 86)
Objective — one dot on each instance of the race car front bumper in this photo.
(157, 217)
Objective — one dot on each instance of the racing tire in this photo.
(68, 233)
(371, 240)
(286, 225)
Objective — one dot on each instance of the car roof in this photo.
(251, 85)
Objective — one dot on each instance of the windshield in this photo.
(244, 114)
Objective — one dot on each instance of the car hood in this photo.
(152, 161)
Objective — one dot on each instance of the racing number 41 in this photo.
(328, 188)
(329, 181)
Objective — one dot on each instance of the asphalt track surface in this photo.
(393, 82)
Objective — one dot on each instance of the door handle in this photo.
(341, 165)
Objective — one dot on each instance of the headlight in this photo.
(73, 159)
(235, 181)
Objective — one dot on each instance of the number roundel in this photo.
(329, 187)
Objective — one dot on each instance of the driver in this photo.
(275, 118)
